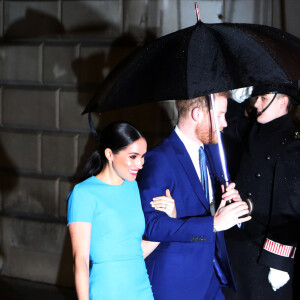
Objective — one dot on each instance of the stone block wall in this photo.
(53, 57)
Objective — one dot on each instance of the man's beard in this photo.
(206, 134)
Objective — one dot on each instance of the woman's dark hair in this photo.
(116, 136)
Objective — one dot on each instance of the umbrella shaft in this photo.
(220, 144)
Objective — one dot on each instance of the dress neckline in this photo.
(104, 183)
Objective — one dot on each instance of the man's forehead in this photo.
(221, 102)
(220, 97)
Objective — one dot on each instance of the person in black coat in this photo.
(262, 251)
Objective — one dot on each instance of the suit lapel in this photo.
(187, 165)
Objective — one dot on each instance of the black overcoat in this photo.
(269, 174)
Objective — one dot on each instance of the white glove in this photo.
(241, 94)
(278, 278)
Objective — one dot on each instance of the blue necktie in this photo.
(203, 170)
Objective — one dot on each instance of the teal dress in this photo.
(118, 270)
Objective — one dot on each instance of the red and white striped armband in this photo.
(279, 249)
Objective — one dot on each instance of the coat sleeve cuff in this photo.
(277, 256)
(279, 249)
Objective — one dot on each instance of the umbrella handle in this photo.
(249, 202)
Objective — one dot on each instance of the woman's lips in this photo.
(133, 172)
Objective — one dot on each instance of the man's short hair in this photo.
(184, 107)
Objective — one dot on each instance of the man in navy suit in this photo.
(191, 261)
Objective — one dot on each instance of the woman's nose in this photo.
(139, 163)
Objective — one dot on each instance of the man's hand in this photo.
(278, 278)
(230, 215)
(231, 193)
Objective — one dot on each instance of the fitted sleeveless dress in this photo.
(118, 270)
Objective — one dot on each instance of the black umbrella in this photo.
(200, 60)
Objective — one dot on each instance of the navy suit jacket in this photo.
(182, 265)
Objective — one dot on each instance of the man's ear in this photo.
(108, 154)
(284, 101)
(197, 114)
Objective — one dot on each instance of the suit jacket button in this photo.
(257, 175)
(192, 239)
(268, 157)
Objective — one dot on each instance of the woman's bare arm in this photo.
(80, 233)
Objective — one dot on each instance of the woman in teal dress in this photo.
(106, 221)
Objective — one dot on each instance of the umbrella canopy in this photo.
(200, 60)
